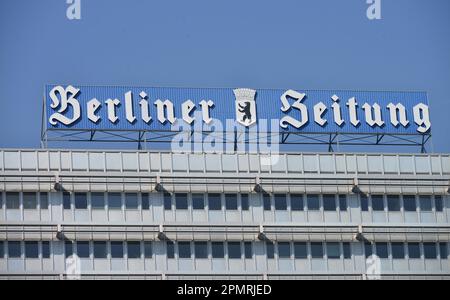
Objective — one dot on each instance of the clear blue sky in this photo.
(310, 44)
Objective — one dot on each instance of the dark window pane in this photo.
(145, 198)
(46, 249)
(248, 251)
(131, 201)
(170, 249)
(414, 250)
(296, 202)
(29, 201)
(284, 250)
(443, 248)
(244, 202)
(393, 202)
(364, 202)
(368, 250)
(12, 201)
(98, 201)
(300, 250)
(377, 203)
(167, 201)
(430, 251)
(44, 200)
(198, 201)
(234, 250)
(270, 250)
(117, 249)
(316, 250)
(333, 250)
(347, 250)
(280, 202)
(115, 201)
(100, 250)
(409, 203)
(217, 250)
(2, 249)
(425, 203)
(201, 250)
(382, 250)
(68, 248)
(214, 202)
(181, 201)
(342, 202)
(134, 249)
(438, 203)
(184, 250)
(148, 250)
(231, 201)
(31, 249)
(329, 203)
(83, 249)
(14, 250)
(398, 251)
(266, 202)
(80, 201)
(313, 202)
(66, 200)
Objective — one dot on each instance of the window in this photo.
(414, 250)
(44, 200)
(12, 201)
(148, 250)
(393, 203)
(377, 203)
(217, 250)
(382, 250)
(270, 250)
(398, 251)
(170, 249)
(198, 202)
(68, 248)
(248, 250)
(313, 202)
(347, 250)
(316, 250)
(184, 250)
(266, 202)
(442, 248)
(244, 202)
(300, 250)
(201, 250)
(280, 202)
(14, 250)
(115, 201)
(167, 201)
(214, 202)
(234, 250)
(83, 249)
(284, 250)
(2, 250)
(438, 204)
(145, 201)
(231, 202)
(181, 201)
(429, 250)
(117, 249)
(409, 203)
(368, 249)
(329, 203)
(342, 202)
(31, 249)
(66, 200)
(80, 201)
(333, 250)
(134, 249)
(425, 203)
(29, 201)
(46, 249)
(97, 201)
(296, 202)
(100, 250)
(364, 202)
(131, 201)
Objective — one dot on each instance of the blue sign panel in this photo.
(297, 110)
